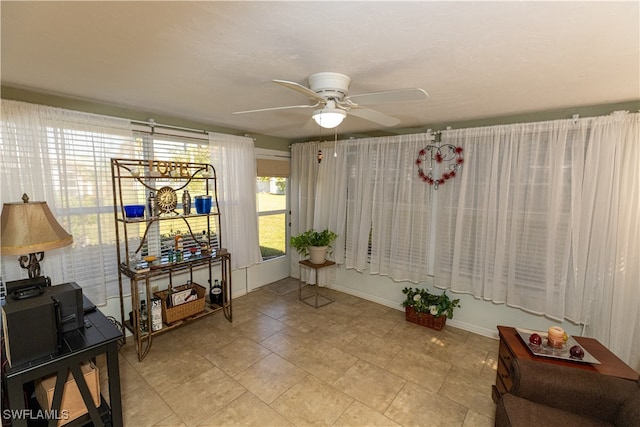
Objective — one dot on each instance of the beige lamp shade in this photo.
(30, 227)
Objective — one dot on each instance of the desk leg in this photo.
(85, 393)
(16, 401)
(115, 401)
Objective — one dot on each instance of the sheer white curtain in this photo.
(504, 228)
(233, 158)
(331, 194)
(63, 157)
(318, 196)
(359, 203)
(546, 217)
(606, 239)
(302, 193)
(368, 191)
(391, 202)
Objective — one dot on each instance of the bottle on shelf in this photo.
(169, 300)
(215, 293)
(179, 246)
(156, 314)
(144, 317)
(152, 205)
(204, 243)
(186, 202)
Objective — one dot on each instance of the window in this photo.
(271, 204)
(62, 157)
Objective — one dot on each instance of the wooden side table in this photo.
(512, 347)
(316, 294)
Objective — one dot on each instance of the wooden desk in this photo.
(99, 336)
(316, 267)
(512, 346)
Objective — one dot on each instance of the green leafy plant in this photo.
(303, 241)
(424, 302)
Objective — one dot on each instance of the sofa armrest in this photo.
(570, 389)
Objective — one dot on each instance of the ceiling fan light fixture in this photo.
(329, 117)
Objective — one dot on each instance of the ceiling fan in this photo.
(329, 95)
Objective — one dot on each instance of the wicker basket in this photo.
(173, 314)
(425, 319)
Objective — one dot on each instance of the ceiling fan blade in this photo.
(301, 89)
(375, 116)
(398, 95)
(277, 108)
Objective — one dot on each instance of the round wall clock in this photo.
(167, 199)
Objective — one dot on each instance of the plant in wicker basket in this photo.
(427, 309)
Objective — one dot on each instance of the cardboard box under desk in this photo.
(72, 405)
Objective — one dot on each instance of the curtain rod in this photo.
(152, 123)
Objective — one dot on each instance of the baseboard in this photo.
(465, 326)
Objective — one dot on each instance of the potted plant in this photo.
(314, 243)
(427, 309)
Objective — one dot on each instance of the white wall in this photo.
(478, 316)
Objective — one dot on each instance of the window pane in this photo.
(272, 235)
(272, 206)
(272, 194)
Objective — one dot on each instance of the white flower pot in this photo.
(317, 254)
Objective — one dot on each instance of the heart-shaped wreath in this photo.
(448, 154)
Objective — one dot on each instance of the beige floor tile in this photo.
(260, 327)
(373, 349)
(144, 408)
(306, 319)
(340, 309)
(246, 410)
(278, 308)
(335, 334)
(416, 406)
(420, 368)
(473, 419)
(282, 287)
(359, 415)
(196, 400)
(288, 342)
(371, 385)
(324, 361)
(159, 367)
(257, 297)
(312, 402)
(211, 332)
(270, 377)
(464, 387)
(460, 355)
(407, 334)
(374, 322)
(172, 421)
(238, 355)
(130, 379)
(283, 363)
(480, 342)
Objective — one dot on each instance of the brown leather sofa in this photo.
(544, 394)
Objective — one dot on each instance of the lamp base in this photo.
(32, 263)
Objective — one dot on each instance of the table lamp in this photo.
(31, 228)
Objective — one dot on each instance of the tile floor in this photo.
(283, 363)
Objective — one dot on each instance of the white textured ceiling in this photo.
(204, 60)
